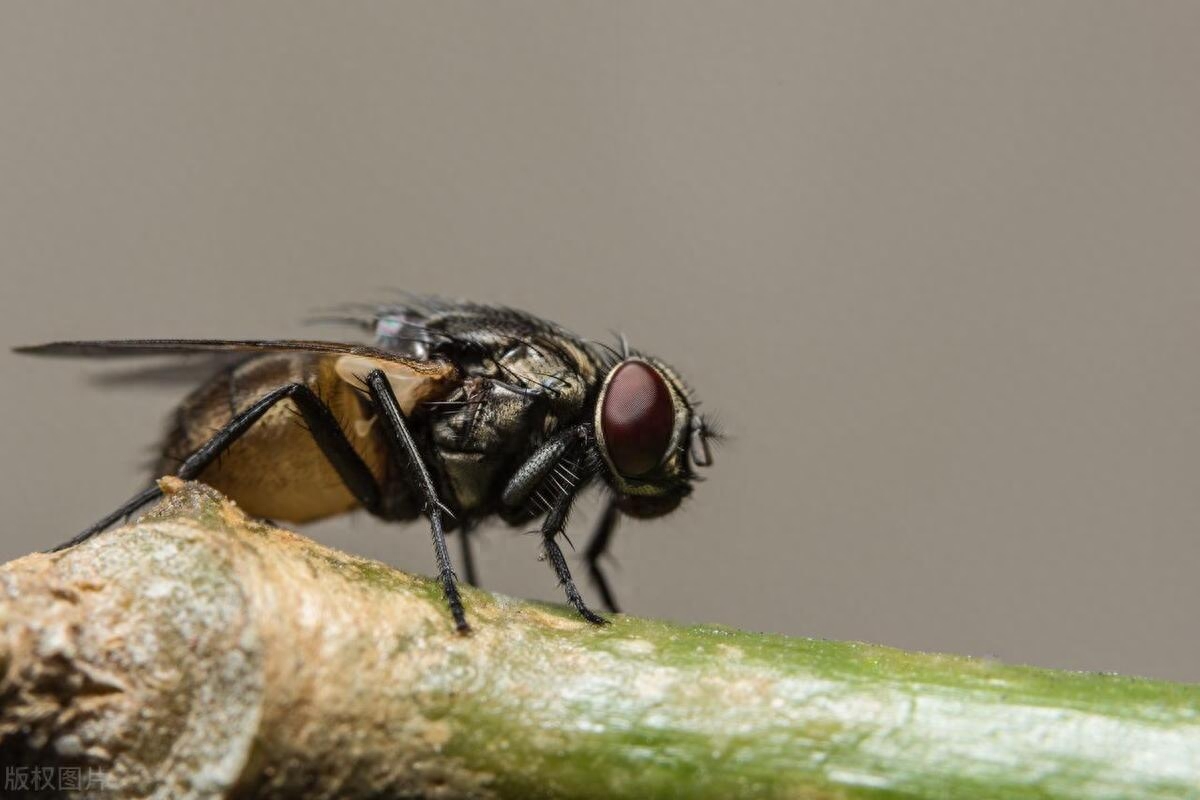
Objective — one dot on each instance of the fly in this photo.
(458, 411)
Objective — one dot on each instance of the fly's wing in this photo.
(120, 348)
(413, 380)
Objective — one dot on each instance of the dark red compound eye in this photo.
(636, 418)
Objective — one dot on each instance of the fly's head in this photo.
(650, 437)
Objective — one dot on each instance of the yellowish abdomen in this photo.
(275, 469)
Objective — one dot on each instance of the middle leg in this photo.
(405, 448)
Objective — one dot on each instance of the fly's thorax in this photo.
(484, 416)
(478, 434)
(556, 378)
(505, 343)
(512, 401)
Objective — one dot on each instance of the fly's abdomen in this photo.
(275, 469)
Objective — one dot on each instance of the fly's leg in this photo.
(541, 465)
(465, 532)
(596, 549)
(128, 507)
(537, 469)
(406, 449)
(323, 426)
(553, 525)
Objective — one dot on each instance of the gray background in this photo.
(935, 265)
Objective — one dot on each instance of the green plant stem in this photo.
(270, 665)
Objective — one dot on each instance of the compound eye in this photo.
(637, 418)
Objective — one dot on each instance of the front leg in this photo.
(546, 466)
(409, 456)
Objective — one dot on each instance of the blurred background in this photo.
(936, 267)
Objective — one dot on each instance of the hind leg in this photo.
(322, 425)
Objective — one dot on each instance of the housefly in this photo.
(457, 412)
